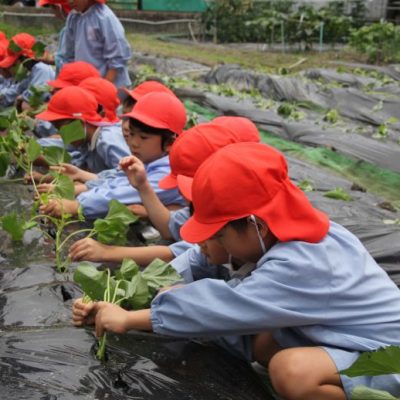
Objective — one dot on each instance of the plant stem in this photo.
(91, 230)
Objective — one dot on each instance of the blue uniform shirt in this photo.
(98, 37)
(106, 149)
(94, 202)
(176, 220)
(330, 293)
(40, 74)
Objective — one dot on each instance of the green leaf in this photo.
(92, 281)
(128, 269)
(12, 224)
(114, 227)
(55, 155)
(4, 122)
(4, 163)
(33, 149)
(384, 361)
(38, 48)
(305, 186)
(365, 393)
(159, 274)
(72, 132)
(20, 73)
(65, 187)
(338, 194)
(138, 292)
(12, 46)
(120, 212)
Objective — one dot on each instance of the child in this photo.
(206, 139)
(61, 9)
(38, 72)
(104, 144)
(154, 122)
(315, 300)
(94, 34)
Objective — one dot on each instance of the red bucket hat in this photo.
(106, 95)
(72, 74)
(3, 45)
(62, 3)
(245, 179)
(160, 110)
(206, 139)
(243, 126)
(147, 87)
(25, 42)
(71, 103)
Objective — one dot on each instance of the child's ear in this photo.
(168, 143)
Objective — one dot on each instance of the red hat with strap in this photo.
(147, 87)
(192, 148)
(72, 103)
(25, 43)
(106, 95)
(243, 126)
(160, 110)
(246, 179)
(72, 74)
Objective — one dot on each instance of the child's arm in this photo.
(91, 250)
(158, 214)
(73, 172)
(56, 208)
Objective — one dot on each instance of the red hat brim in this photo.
(59, 84)
(168, 182)
(185, 186)
(52, 116)
(9, 61)
(145, 119)
(195, 232)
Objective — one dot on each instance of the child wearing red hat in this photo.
(313, 303)
(206, 139)
(38, 72)
(94, 34)
(154, 122)
(104, 145)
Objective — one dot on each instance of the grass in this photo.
(263, 61)
(11, 30)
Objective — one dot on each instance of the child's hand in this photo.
(139, 210)
(110, 317)
(69, 170)
(134, 170)
(83, 313)
(57, 207)
(88, 249)
(45, 187)
(38, 178)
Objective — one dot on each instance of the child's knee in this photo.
(287, 375)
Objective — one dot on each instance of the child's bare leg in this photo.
(305, 373)
(264, 348)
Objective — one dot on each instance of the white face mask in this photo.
(262, 244)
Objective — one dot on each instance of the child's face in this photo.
(144, 146)
(214, 252)
(244, 245)
(125, 129)
(81, 5)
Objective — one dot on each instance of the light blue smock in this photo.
(331, 294)
(78, 155)
(106, 149)
(94, 202)
(176, 220)
(38, 77)
(10, 92)
(59, 60)
(98, 37)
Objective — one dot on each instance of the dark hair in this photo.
(191, 209)
(239, 225)
(128, 102)
(167, 136)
